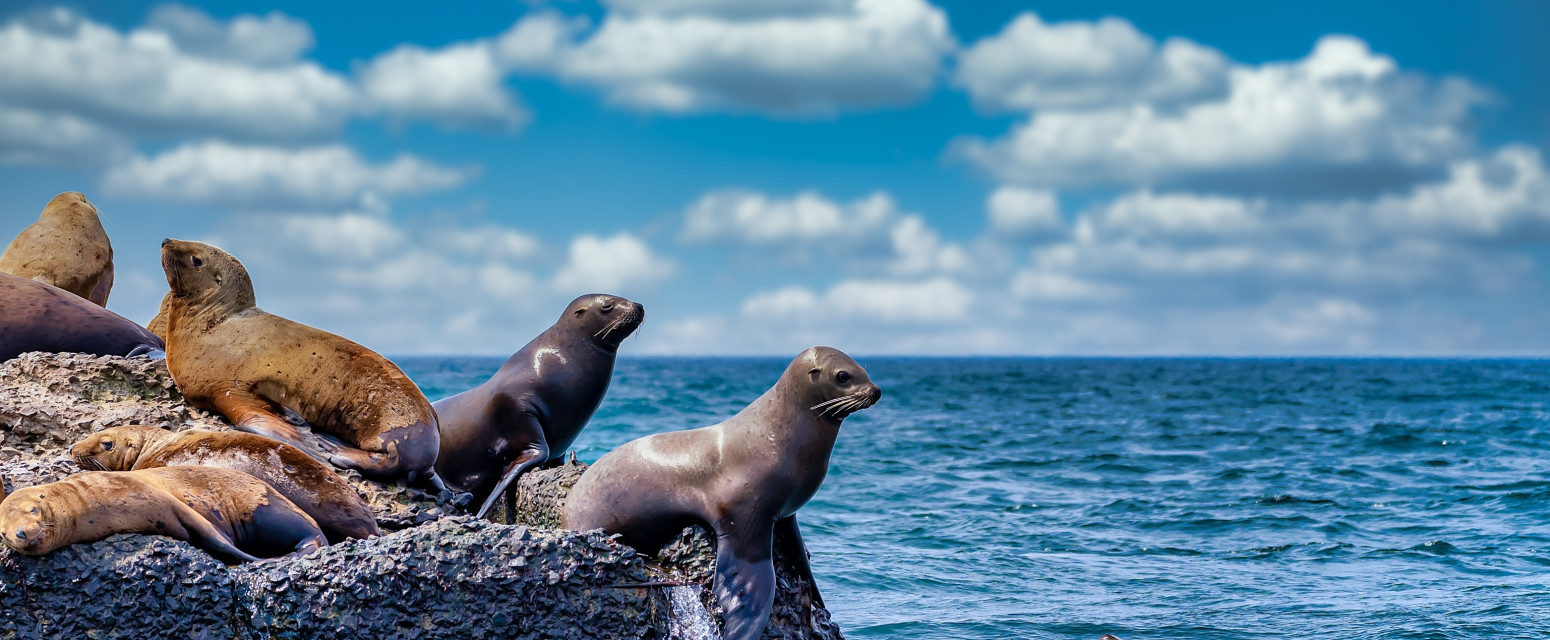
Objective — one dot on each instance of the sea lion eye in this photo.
(107, 445)
(198, 262)
(608, 307)
(843, 377)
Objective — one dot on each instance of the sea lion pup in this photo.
(744, 479)
(40, 317)
(230, 514)
(311, 485)
(229, 356)
(66, 248)
(531, 410)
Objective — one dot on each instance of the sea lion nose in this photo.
(21, 534)
(166, 241)
(877, 393)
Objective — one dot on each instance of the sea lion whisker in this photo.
(827, 403)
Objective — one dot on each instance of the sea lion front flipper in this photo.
(745, 579)
(533, 454)
(788, 540)
(254, 414)
(204, 535)
(103, 286)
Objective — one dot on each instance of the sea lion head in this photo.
(205, 275)
(28, 523)
(114, 449)
(830, 384)
(70, 205)
(607, 319)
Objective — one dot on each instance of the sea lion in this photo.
(40, 317)
(743, 479)
(66, 248)
(158, 324)
(230, 514)
(312, 485)
(229, 356)
(531, 410)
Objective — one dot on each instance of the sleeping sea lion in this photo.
(227, 355)
(230, 514)
(40, 317)
(531, 410)
(67, 248)
(312, 485)
(742, 479)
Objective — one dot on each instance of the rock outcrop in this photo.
(434, 574)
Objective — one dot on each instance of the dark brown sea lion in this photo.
(230, 514)
(39, 317)
(66, 248)
(531, 410)
(229, 356)
(743, 479)
(312, 485)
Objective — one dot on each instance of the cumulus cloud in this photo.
(935, 300)
(786, 59)
(460, 85)
(142, 80)
(1033, 64)
(756, 218)
(34, 137)
(869, 233)
(215, 172)
(1022, 211)
(274, 38)
(1342, 120)
(616, 264)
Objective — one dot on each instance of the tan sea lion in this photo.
(67, 248)
(743, 479)
(40, 317)
(531, 410)
(230, 514)
(158, 324)
(227, 355)
(312, 485)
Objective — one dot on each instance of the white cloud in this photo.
(351, 236)
(223, 173)
(694, 56)
(1032, 64)
(461, 85)
(1341, 120)
(493, 242)
(614, 264)
(755, 218)
(936, 300)
(35, 137)
(1021, 211)
(143, 80)
(271, 39)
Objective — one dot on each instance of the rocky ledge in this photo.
(434, 574)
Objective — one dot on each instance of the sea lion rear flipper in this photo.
(788, 540)
(534, 454)
(204, 535)
(745, 581)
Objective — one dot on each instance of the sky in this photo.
(883, 176)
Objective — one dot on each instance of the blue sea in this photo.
(1153, 498)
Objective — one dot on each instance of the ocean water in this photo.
(1153, 498)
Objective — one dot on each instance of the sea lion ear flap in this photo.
(815, 373)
